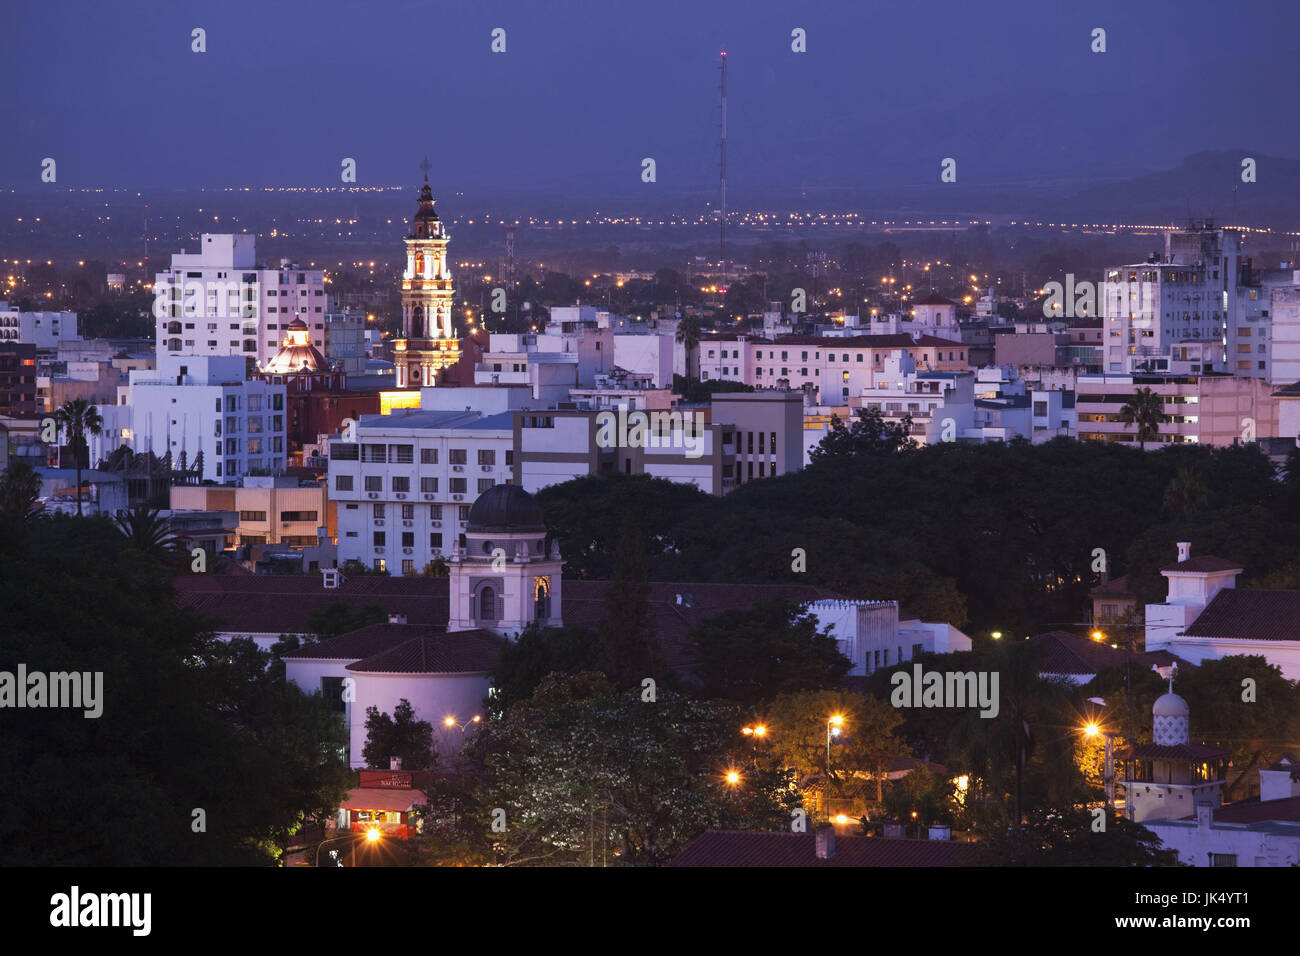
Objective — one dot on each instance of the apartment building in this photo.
(269, 510)
(45, 330)
(1206, 409)
(404, 488)
(220, 301)
(201, 404)
(835, 368)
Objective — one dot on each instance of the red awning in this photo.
(369, 798)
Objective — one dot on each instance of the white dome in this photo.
(1170, 705)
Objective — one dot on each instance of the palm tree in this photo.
(20, 487)
(77, 417)
(688, 335)
(1186, 493)
(147, 531)
(1146, 410)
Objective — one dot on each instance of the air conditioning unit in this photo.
(487, 467)
(457, 467)
(379, 550)
(408, 551)
(379, 522)
(437, 524)
(457, 497)
(373, 494)
(407, 524)
(429, 497)
(400, 494)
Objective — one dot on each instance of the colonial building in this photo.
(428, 343)
(1171, 776)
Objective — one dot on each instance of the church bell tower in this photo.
(428, 342)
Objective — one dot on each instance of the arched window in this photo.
(419, 264)
(487, 605)
(542, 601)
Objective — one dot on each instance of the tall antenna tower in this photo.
(722, 236)
(510, 256)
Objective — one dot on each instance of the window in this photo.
(1223, 859)
(373, 453)
(429, 486)
(435, 540)
(487, 456)
(401, 454)
(331, 688)
(408, 567)
(402, 484)
(458, 486)
(428, 456)
(408, 539)
(342, 482)
(484, 484)
(772, 446)
(435, 512)
(464, 513)
(252, 516)
(374, 483)
(380, 565)
(379, 539)
(510, 456)
(458, 456)
(377, 510)
(298, 516)
(487, 605)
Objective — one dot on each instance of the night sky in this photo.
(585, 90)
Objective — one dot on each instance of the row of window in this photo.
(260, 516)
(401, 484)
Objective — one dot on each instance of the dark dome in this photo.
(505, 508)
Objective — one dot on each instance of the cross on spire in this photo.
(426, 167)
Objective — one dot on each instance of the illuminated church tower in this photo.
(428, 342)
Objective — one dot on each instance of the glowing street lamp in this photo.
(450, 721)
(833, 725)
(732, 778)
(758, 730)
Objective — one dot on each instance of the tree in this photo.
(1186, 494)
(78, 418)
(754, 655)
(147, 532)
(196, 742)
(20, 489)
(588, 775)
(863, 746)
(869, 434)
(1066, 837)
(1146, 411)
(629, 648)
(400, 735)
(337, 618)
(536, 654)
(688, 336)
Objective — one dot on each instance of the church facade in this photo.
(428, 343)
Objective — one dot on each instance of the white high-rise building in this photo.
(1153, 311)
(45, 330)
(220, 301)
(405, 486)
(196, 404)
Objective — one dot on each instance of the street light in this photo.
(450, 721)
(758, 730)
(833, 725)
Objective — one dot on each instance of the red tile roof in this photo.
(1193, 752)
(282, 603)
(1116, 587)
(1067, 653)
(1204, 562)
(757, 848)
(426, 650)
(1286, 810)
(1250, 615)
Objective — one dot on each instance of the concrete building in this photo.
(1207, 617)
(18, 380)
(1171, 777)
(1206, 409)
(405, 486)
(872, 636)
(201, 404)
(221, 301)
(45, 330)
(268, 509)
